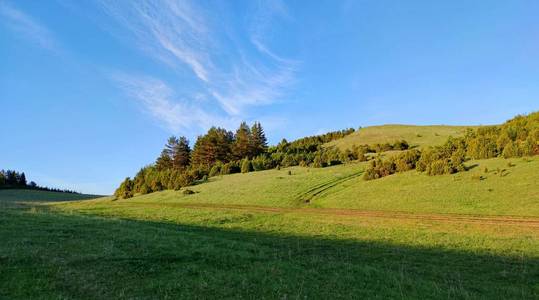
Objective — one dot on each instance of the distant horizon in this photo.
(90, 91)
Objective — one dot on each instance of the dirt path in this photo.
(456, 218)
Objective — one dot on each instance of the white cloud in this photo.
(26, 26)
(160, 101)
(233, 67)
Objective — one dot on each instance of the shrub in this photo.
(225, 169)
(407, 160)
(379, 168)
(215, 170)
(246, 166)
(401, 145)
(188, 192)
(440, 167)
(318, 162)
(510, 150)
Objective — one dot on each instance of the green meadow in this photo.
(415, 135)
(288, 233)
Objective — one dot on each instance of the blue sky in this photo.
(90, 90)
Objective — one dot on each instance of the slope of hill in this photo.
(511, 192)
(420, 136)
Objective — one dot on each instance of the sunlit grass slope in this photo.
(481, 190)
(415, 135)
(514, 192)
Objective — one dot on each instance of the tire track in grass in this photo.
(307, 196)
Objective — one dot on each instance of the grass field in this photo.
(415, 135)
(292, 233)
(317, 233)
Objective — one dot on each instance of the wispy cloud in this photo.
(233, 66)
(26, 26)
(161, 102)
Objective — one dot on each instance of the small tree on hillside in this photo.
(242, 142)
(259, 143)
(181, 153)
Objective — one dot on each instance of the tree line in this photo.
(222, 152)
(11, 179)
(517, 137)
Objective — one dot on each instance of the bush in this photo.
(401, 145)
(188, 192)
(246, 166)
(379, 168)
(407, 160)
(510, 150)
(440, 167)
(319, 162)
(215, 170)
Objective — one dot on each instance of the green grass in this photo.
(271, 235)
(515, 193)
(126, 249)
(420, 136)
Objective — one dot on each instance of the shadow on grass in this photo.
(49, 255)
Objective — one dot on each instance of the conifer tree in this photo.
(164, 161)
(22, 180)
(181, 153)
(214, 146)
(259, 143)
(242, 142)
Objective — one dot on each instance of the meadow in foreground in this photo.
(146, 249)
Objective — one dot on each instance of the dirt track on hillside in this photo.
(453, 218)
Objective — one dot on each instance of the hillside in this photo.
(420, 136)
(342, 187)
(288, 232)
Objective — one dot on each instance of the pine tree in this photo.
(259, 143)
(2, 179)
(181, 156)
(22, 180)
(11, 177)
(212, 147)
(171, 144)
(242, 142)
(164, 161)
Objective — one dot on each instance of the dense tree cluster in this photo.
(515, 138)
(222, 152)
(10, 179)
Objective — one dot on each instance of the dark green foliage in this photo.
(163, 162)
(125, 190)
(181, 154)
(10, 179)
(241, 148)
(259, 143)
(262, 162)
(379, 168)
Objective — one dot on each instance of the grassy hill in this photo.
(289, 233)
(420, 136)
